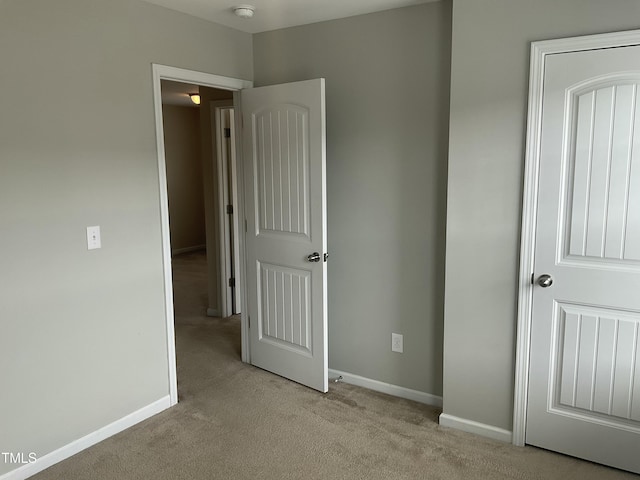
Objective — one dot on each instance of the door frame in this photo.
(539, 52)
(164, 72)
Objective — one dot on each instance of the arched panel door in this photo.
(286, 239)
(584, 373)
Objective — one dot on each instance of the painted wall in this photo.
(387, 91)
(184, 176)
(489, 88)
(83, 333)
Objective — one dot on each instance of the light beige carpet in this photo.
(235, 421)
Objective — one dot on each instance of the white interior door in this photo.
(284, 158)
(584, 370)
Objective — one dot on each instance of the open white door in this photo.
(584, 370)
(286, 240)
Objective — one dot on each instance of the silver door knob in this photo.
(545, 281)
(314, 257)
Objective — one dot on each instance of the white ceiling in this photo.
(275, 14)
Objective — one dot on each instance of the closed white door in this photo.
(286, 240)
(584, 373)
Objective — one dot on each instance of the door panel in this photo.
(584, 372)
(285, 307)
(280, 148)
(604, 218)
(284, 152)
(597, 358)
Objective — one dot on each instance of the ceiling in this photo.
(275, 14)
(177, 93)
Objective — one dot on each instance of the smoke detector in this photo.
(244, 11)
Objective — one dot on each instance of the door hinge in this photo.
(227, 133)
(229, 209)
(232, 282)
(245, 225)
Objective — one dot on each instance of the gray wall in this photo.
(387, 87)
(489, 87)
(83, 337)
(184, 176)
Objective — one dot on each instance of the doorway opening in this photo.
(201, 165)
(212, 88)
(281, 199)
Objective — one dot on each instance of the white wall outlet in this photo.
(397, 343)
(93, 238)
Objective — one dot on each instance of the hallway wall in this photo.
(184, 177)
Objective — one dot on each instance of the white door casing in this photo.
(285, 207)
(583, 375)
(220, 112)
(223, 118)
(163, 72)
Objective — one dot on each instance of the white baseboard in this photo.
(478, 428)
(211, 312)
(387, 388)
(180, 251)
(87, 441)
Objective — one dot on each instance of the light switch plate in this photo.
(397, 342)
(93, 238)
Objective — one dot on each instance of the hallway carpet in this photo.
(234, 421)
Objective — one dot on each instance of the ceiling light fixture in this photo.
(195, 98)
(244, 11)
